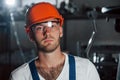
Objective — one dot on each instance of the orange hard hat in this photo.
(40, 12)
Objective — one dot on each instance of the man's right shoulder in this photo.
(21, 69)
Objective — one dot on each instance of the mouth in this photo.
(48, 40)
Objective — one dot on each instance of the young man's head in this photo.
(44, 26)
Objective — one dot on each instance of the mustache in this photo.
(47, 37)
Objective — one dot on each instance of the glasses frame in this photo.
(52, 27)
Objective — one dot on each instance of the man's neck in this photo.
(50, 65)
(52, 59)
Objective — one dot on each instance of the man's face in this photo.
(47, 35)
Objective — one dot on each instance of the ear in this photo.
(31, 36)
(61, 31)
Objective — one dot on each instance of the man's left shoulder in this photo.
(81, 60)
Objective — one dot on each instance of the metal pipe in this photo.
(118, 70)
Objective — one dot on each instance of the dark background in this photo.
(16, 49)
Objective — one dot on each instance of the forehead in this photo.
(50, 19)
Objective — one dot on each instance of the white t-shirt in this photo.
(85, 70)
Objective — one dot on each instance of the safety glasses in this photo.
(45, 25)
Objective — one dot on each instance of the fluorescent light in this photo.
(104, 10)
(10, 2)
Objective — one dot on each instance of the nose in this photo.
(47, 30)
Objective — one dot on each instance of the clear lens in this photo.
(42, 26)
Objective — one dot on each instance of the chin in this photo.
(49, 48)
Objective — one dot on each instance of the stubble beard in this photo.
(49, 47)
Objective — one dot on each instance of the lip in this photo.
(48, 40)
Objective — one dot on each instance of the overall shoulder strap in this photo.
(33, 70)
(72, 68)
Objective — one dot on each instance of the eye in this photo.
(39, 28)
(53, 26)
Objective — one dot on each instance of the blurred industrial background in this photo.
(91, 30)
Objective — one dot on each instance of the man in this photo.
(44, 27)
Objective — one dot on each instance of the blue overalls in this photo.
(72, 71)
